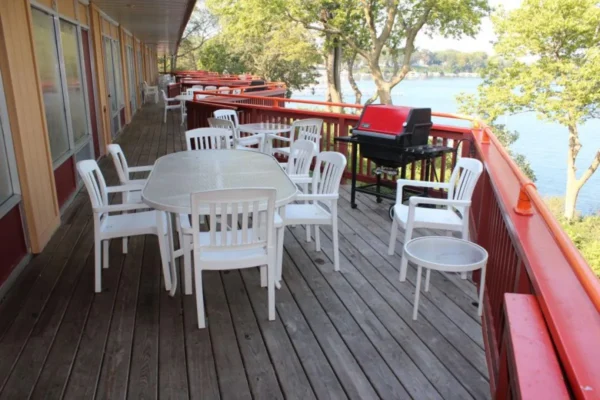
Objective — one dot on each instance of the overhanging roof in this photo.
(155, 22)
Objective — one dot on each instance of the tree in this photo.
(215, 55)
(469, 105)
(267, 43)
(370, 26)
(201, 26)
(549, 63)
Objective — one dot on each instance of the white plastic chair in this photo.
(198, 87)
(321, 206)
(238, 143)
(208, 139)
(248, 242)
(455, 215)
(236, 91)
(168, 106)
(230, 115)
(150, 91)
(108, 226)
(308, 129)
(210, 88)
(224, 89)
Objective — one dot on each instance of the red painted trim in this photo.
(532, 364)
(13, 247)
(64, 177)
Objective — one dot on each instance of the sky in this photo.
(481, 42)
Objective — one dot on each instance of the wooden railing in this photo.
(258, 107)
(528, 251)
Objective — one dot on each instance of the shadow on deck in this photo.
(337, 335)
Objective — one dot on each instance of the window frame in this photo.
(74, 146)
(13, 173)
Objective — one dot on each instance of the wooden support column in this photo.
(97, 45)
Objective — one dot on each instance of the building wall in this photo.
(28, 122)
(40, 186)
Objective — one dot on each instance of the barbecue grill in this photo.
(392, 137)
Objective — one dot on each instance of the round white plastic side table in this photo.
(448, 254)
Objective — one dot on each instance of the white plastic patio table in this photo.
(267, 130)
(443, 253)
(176, 176)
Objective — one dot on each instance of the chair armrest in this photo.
(120, 208)
(317, 197)
(415, 201)
(401, 183)
(282, 138)
(142, 168)
(301, 178)
(124, 188)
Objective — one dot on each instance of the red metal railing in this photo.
(528, 251)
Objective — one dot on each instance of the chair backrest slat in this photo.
(250, 232)
(120, 162)
(229, 115)
(208, 139)
(223, 123)
(94, 182)
(302, 153)
(327, 175)
(309, 129)
(464, 179)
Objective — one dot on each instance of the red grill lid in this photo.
(380, 118)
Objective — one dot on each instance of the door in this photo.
(90, 90)
(111, 85)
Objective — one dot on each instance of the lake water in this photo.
(544, 144)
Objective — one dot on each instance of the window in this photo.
(60, 67)
(131, 79)
(9, 185)
(72, 58)
(46, 52)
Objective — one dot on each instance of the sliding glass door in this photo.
(131, 80)
(114, 81)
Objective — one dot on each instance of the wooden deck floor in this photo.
(337, 335)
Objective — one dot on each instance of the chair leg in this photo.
(98, 266)
(427, 275)
(264, 279)
(271, 288)
(417, 294)
(336, 247)
(165, 118)
(404, 262)
(187, 264)
(125, 245)
(308, 233)
(165, 257)
(317, 238)
(199, 298)
(105, 253)
(393, 234)
(280, 254)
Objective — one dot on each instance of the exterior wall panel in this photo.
(97, 25)
(28, 122)
(82, 14)
(67, 8)
(13, 247)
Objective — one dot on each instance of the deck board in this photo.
(337, 335)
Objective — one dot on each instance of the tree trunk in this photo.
(333, 66)
(352, 81)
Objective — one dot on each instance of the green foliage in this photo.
(451, 60)
(584, 231)
(548, 62)
(217, 56)
(267, 43)
(469, 105)
(389, 28)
